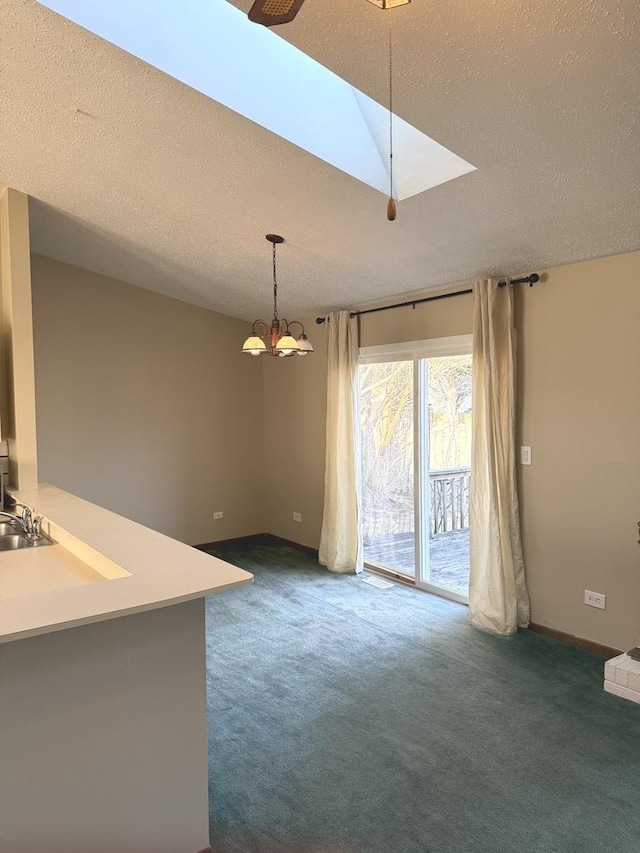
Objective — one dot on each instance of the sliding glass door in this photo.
(415, 406)
(387, 446)
(448, 422)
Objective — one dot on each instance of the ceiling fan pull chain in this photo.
(391, 204)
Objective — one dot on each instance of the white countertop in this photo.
(107, 566)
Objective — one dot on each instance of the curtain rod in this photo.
(531, 279)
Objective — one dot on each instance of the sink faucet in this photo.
(31, 525)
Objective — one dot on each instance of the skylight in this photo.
(212, 46)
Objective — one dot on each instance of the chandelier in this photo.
(276, 338)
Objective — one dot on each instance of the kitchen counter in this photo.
(103, 727)
(103, 566)
(31, 571)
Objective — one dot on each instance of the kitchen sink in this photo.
(11, 539)
(14, 541)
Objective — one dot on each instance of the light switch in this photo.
(525, 456)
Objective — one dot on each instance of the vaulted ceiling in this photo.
(136, 176)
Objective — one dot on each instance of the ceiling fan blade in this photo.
(274, 12)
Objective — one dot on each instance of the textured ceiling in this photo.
(139, 177)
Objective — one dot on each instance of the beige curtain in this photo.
(498, 598)
(340, 549)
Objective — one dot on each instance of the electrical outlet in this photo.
(297, 516)
(525, 456)
(595, 599)
(217, 515)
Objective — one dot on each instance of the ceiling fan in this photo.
(274, 12)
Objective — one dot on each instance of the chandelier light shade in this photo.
(276, 338)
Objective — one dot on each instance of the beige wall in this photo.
(438, 319)
(579, 410)
(146, 405)
(17, 404)
(295, 406)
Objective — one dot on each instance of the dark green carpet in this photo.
(344, 719)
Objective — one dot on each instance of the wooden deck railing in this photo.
(390, 511)
(449, 489)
